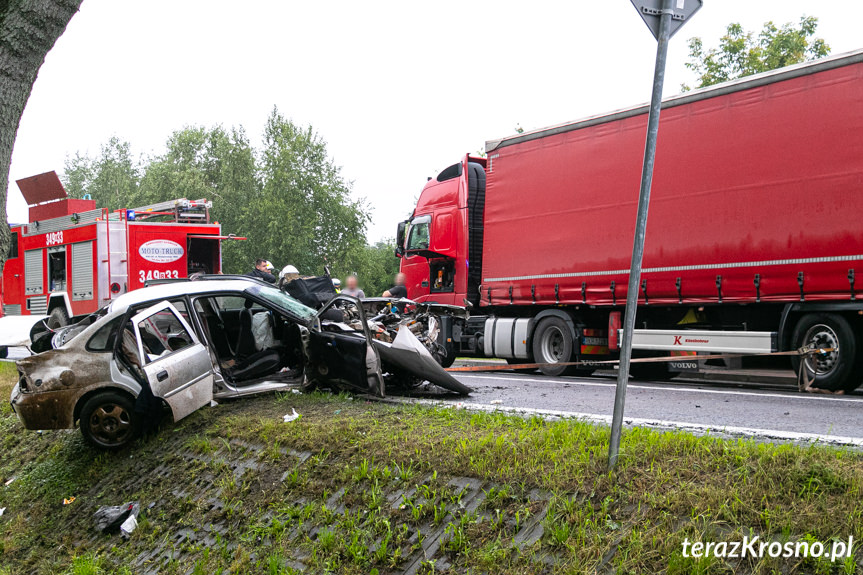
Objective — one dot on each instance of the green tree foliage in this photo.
(742, 53)
(307, 217)
(288, 198)
(111, 178)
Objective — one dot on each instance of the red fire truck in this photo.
(72, 258)
(753, 241)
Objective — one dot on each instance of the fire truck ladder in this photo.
(180, 211)
(113, 254)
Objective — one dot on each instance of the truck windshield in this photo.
(419, 233)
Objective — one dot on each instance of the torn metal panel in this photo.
(406, 354)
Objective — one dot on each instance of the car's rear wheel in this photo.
(4, 352)
(108, 420)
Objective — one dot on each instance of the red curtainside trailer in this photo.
(753, 241)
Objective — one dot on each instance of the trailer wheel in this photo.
(108, 420)
(57, 318)
(835, 370)
(552, 343)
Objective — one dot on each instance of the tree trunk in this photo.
(28, 29)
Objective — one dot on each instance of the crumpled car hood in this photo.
(409, 355)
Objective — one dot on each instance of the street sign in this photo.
(651, 10)
(663, 17)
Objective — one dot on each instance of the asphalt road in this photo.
(763, 412)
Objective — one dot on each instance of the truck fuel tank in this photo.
(506, 337)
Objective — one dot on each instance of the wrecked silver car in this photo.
(183, 344)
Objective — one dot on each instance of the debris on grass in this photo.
(293, 416)
(128, 526)
(117, 518)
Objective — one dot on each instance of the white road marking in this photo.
(697, 428)
(610, 384)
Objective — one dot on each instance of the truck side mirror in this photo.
(400, 239)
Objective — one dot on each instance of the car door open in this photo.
(174, 361)
(345, 356)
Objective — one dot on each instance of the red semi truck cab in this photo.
(72, 257)
(436, 243)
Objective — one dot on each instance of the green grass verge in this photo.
(357, 487)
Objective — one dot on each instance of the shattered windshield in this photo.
(279, 298)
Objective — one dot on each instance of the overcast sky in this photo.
(399, 90)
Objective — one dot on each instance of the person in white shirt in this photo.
(352, 287)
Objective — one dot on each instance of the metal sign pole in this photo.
(640, 228)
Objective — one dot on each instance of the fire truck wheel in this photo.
(833, 370)
(57, 318)
(552, 343)
(108, 420)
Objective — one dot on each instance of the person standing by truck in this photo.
(352, 287)
(399, 290)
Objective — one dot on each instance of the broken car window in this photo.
(280, 299)
(231, 302)
(103, 340)
(180, 306)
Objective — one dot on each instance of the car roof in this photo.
(177, 289)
